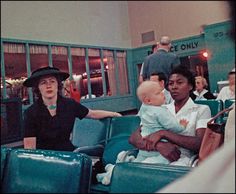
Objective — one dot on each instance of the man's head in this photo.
(155, 47)
(165, 42)
(231, 77)
(160, 78)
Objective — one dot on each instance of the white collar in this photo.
(201, 93)
(189, 104)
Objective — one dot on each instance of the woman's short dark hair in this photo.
(182, 70)
(36, 88)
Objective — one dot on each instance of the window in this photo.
(60, 58)
(122, 71)
(38, 56)
(15, 71)
(109, 64)
(95, 72)
(79, 69)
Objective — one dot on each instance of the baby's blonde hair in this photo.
(145, 88)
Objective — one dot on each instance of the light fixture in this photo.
(205, 54)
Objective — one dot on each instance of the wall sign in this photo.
(184, 46)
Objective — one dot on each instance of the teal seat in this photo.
(89, 135)
(228, 103)
(4, 155)
(120, 130)
(215, 105)
(133, 177)
(45, 171)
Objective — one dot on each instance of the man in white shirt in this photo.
(228, 92)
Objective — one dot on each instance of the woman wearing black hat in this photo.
(49, 121)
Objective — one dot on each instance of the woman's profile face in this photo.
(179, 87)
(48, 87)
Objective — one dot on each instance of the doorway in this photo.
(197, 64)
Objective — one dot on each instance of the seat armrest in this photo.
(193, 161)
(95, 150)
(132, 177)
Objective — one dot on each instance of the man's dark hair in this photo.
(161, 76)
(152, 51)
(231, 73)
(153, 47)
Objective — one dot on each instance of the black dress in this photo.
(53, 132)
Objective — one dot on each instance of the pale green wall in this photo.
(221, 50)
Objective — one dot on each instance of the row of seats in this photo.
(217, 106)
(91, 136)
(110, 136)
(45, 171)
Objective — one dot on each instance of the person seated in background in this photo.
(162, 80)
(70, 90)
(228, 92)
(154, 117)
(49, 121)
(201, 92)
(179, 148)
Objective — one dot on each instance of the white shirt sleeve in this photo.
(204, 116)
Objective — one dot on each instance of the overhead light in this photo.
(205, 54)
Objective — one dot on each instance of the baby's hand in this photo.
(151, 141)
(183, 122)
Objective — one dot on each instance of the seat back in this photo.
(133, 177)
(119, 133)
(45, 171)
(215, 105)
(4, 155)
(228, 103)
(90, 132)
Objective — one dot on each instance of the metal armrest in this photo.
(193, 161)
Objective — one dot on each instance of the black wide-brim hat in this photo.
(37, 74)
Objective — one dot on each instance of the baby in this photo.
(154, 116)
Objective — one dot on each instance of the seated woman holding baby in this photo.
(180, 147)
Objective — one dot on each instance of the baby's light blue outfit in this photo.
(155, 118)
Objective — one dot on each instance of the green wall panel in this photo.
(221, 50)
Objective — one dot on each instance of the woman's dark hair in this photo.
(36, 88)
(182, 70)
